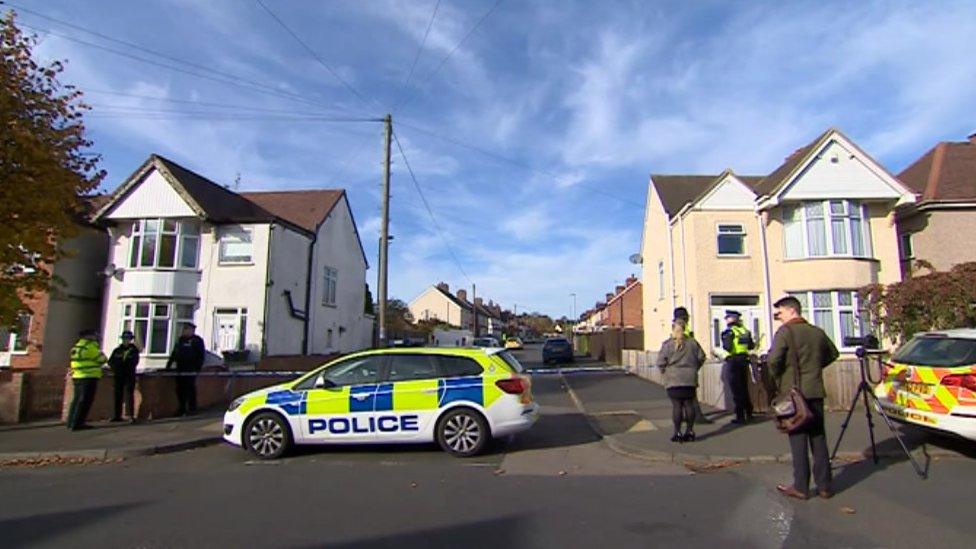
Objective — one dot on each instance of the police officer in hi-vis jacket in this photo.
(86, 369)
(737, 342)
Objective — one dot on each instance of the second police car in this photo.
(460, 398)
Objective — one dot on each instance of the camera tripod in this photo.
(864, 392)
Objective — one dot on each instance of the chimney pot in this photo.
(609, 297)
(972, 138)
(462, 294)
(444, 286)
(478, 301)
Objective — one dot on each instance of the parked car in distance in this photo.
(557, 349)
(931, 381)
(486, 342)
(513, 344)
(407, 342)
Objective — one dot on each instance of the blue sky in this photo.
(533, 141)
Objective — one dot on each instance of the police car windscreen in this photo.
(937, 351)
(511, 361)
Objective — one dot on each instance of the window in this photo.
(455, 366)
(356, 371)
(329, 287)
(235, 245)
(16, 339)
(410, 367)
(660, 280)
(156, 243)
(156, 325)
(832, 228)
(907, 251)
(837, 313)
(731, 240)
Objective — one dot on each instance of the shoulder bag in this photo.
(791, 409)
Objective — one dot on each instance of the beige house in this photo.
(938, 228)
(437, 303)
(819, 227)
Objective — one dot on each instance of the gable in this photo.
(832, 167)
(153, 196)
(728, 194)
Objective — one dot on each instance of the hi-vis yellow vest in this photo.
(86, 360)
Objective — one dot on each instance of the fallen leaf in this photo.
(413, 484)
(562, 473)
(848, 510)
(497, 472)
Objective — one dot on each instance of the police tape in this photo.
(297, 373)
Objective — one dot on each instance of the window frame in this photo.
(15, 338)
(904, 238)
(855, 213)
(229, 230)
(837, 310)
(181, 236)
(308, 383)
(330, 286)
(741, 234)
(130, 316)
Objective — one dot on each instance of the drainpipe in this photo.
(308, 292)
(761, 217)
(671, 263)
(684, 263)
(268, 282)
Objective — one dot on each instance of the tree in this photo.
(45, 169)
(937, 300)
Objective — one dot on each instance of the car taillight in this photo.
(966, 381)
(512, 385)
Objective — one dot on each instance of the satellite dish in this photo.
(636, 259)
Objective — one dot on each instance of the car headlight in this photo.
(235, 404)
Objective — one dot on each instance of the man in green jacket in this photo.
(86, 369)
(798, 344)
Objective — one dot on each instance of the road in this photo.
(557, 485)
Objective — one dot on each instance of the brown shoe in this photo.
(790, 492)
(825, 494)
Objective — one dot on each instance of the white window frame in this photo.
(330, 286)
(741, 233)
(660, 280)
(226, 232)
(175, 316)
(184, 233)
(861, 324)
(803, 221)
(15, 338)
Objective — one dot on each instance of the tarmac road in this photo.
(557, 485)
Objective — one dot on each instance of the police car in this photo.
(459, 397)
(931, 382)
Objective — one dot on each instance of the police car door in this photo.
(407, 401)
(340, 406)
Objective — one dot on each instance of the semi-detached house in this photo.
(820, 226)
(260, 273)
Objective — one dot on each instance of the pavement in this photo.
(633, 416)
(50, 440)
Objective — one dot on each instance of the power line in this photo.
(97, 91)
(420, 50)
(236, 79)
(281, 115)
(316, 56)
(430, 211)
(460, 43)
(517, 163)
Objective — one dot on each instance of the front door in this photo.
(342, 411)
(748, 306)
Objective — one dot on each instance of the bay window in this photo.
(157, 243)
(156, 324)
(829, 228)
(836, 312)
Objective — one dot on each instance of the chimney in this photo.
(462, 294)
(618, 290)
(972, 138)
(444, 287)
(479, 302)
(631, 279)
(609, 297)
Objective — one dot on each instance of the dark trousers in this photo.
(186, 393)
(812, 439)
(81, 402)
(125, 391)
(737, 374)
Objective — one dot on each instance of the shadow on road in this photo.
(34, 529)
(502, 531)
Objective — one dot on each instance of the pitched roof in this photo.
(307, 208)
(467, 305)
(677, 191)
(218, 203)
(947, 172)
(772, 182)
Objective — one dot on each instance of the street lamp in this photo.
(574, 311)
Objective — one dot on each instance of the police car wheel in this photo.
(463, 432)
(267, 436)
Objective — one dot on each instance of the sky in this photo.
(530, 127)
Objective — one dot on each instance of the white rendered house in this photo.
(259, 273)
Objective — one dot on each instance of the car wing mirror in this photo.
(322, 383)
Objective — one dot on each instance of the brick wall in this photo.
(42, 395)
(11, 388)
(626, 309)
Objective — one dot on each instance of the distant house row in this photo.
(826, 222)
(437, 303)
(261, 274)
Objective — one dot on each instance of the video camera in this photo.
(866, 345)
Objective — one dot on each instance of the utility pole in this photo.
(474, 307)
(385, 227)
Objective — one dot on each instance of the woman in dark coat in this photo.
(679, 360)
